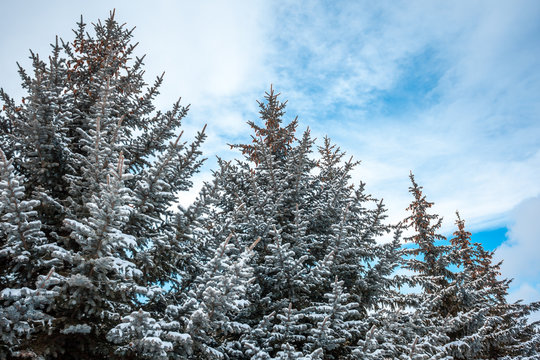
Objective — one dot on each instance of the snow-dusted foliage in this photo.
(281, 256)
(140, 334)
(89, 172)
(314, 226)
(21, 249)
(461, 311)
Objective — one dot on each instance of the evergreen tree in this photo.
(94, 171)
(140, 335)
(21, 230)
(21, 249)
(333, 324)
(313, 224)
(428, 258)
(483, 324)
(461, 310)
(218, 297)
(200, 324)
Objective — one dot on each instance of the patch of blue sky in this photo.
(490, 239)
(415, 89)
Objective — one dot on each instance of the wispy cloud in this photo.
(448, 90)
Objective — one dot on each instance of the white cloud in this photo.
(209, 49)
(472, 140)
(520, 251)
(526, 293)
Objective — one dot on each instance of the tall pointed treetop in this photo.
(273, 135)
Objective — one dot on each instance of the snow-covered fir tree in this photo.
(461, 311)
(88, 236)
(314, 225)
(21, 243)
(482, 323)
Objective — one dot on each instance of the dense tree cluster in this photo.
(280, 257)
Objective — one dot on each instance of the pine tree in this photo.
(391, 330)
(280, 257)
(95, 170)
(461, 310)
(21, 230)
(313, 224)
(483, 324)
(140, 335)
(250, 198)
(218, 298)
(432, 266)
(427, 257)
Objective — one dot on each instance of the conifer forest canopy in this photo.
(279, 257)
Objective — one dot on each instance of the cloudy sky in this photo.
(447, 89)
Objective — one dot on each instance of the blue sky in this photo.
(447, 89)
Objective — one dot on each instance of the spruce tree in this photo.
(314, 225)
(428, 258)
(483, 324)
(334, 322)
(461, 309)
(94, 169)
(21, 249)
